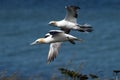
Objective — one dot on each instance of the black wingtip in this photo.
(76, 15)
(49, 61)
(71, 41)
(73, 6)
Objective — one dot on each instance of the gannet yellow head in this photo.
(38, 41)
(52, 23)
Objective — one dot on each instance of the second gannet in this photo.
(55, 38)
(70, 21)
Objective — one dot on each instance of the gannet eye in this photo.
(37, 41)
(46, 36)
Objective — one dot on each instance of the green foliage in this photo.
(70, 74)
(73, 74)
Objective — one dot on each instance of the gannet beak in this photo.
(50, 23)
(33, 43)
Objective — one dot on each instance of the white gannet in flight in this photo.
(55, 38)
(70, 21)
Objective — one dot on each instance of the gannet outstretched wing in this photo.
(54, 48)
(71, 13)
(53, 51)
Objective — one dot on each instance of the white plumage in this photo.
(55, 38)
(70, 21)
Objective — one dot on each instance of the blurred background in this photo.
(23, 21)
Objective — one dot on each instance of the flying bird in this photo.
(70, 21)
(55, 38)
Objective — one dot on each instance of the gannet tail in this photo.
(85, 28)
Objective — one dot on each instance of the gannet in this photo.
(70, 21)
(55, 38)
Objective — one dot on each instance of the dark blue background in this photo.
(23, 21)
